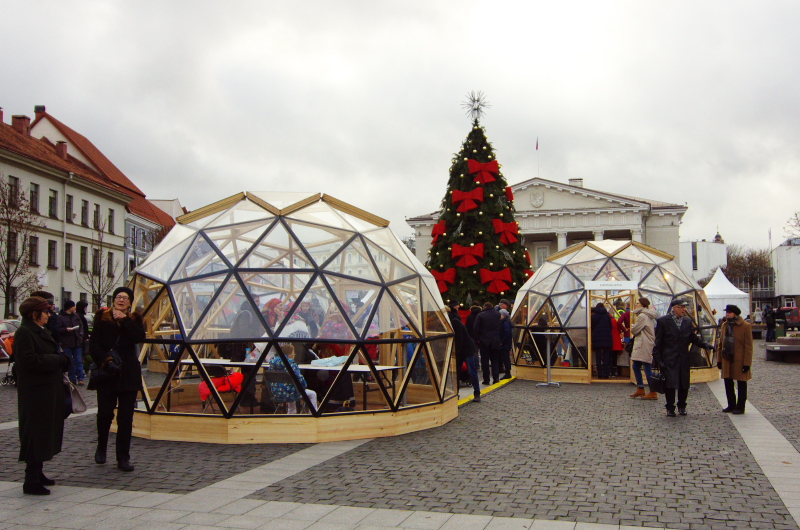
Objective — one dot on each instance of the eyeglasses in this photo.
(121, 297)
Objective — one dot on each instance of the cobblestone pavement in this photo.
(163, 467)
(578, 453)
(775, 391)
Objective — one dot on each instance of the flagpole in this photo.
(537, 157)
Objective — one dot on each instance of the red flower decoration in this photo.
(485, 171)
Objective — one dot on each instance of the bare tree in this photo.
(104, 273)
(748, 266)
(152, 239)
(18, 225)
(793, 225)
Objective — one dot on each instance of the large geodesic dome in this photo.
(559, 298)
(254, 303)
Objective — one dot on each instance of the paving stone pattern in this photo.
(775, 391)
(163, 467)
(576, 453)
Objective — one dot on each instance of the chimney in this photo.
(578, 183)
(61, 149)
(22, 124)
(39, 110)
(1, 114)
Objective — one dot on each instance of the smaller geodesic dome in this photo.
(240, 287)
(560, 295)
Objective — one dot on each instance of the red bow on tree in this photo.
(528, 257)
(438, 230)
(484, 171)
(443, 278)
(468, 199)
(508, 231)
(496, 280)
(509, 194)
(467, 254)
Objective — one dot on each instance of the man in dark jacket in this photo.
(486, 331)
(466, 351)
(674, 336)
(71, 330)
(602, 340)
(769, 320)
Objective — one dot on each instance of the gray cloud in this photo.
(683, 102)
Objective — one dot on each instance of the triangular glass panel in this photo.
(376, 383)
(634, 270)
(655, 282)
(320, 242)
(675, 271)
(278, 250)
(419, 385)
(353, 260)
(545, 284)
(578, 317)
(388, 267)
(566, 303)
(434, 317)
(322, 214)
(385, 239)
(566, 282)
(443, 363)
(586, 270)
(535, 303)
(242, 212)
(520, 316)
(564, 258)
(610, 273)
(230, 316)
(284, 393)
(360, 299)
(145, 291)
(573, 347)
(277, 295)
(159, 319)
(356, 222)
(587, 253)
(659, 301)
(633, 253)
(202, 258)
(546, 268)
(609, 245)
(163, 266)
(407, 294)
(389, 320)
(180, 234)
(193, 297)
(334, 324)
(235, 241)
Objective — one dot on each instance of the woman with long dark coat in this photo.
(118, 329)
(602, 340)
(40, 394)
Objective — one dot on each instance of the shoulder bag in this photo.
(100, 375)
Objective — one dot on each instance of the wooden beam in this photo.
(210, 209)
(355, 212)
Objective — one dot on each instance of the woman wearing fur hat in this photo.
(735, 357)
(118, 329)
(40, 393)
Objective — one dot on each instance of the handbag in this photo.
(67, 397)
(629, 345)
(657, 382)
(78, 403)
(100, 375)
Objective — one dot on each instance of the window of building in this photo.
(12, 255)
(52, 204)
(85, 213)
(34, 198)
(83, 297)
(84, 259)
(33, 250)
(12, 303)
(694, 255)
(67, 295)
(109, 301)
(110, 270)
(541, 256)
(133, 237)
(131, 265)
(68, 256)
(96, 261)
(13, 190)
(789, 302)
(52, 254)
(110, 226)
(96, 217)
(68, 214)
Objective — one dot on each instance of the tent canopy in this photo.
(721, 292)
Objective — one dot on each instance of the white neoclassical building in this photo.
(553, 215)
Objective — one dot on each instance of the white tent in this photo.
(721, 292)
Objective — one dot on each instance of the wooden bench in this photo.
(786, 350)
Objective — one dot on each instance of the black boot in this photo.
(33, 480)
(671, 411)
(46, 481)
(124, 465)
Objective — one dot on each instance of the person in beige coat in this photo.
(644, 338)
(736, 357)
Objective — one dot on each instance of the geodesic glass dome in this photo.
(240, 287)
(560, 295)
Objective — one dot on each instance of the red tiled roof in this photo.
(45, 152)
(139, 205)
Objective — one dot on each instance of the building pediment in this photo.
(540, 195)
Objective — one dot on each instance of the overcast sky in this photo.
(685, 102)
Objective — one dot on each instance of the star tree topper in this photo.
(476, 104)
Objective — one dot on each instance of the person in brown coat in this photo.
(736, 357)
(644, 335)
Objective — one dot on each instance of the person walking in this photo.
(506, 338)
(466, 350)
(736, 357)
(769, 320)
(487, 332)
(70, 328)
(602, 340)
(118, 329)
(40, 394)
(644, 336)
(674, 335)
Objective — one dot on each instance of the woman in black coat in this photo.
(118, 329)
(40, 393)
(602, 340)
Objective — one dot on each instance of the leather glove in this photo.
(745, 369)
(112, 367)
(710, 347)
(64, 363)
(719, 365)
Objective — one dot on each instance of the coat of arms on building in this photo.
(537, 199)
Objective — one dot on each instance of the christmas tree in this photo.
(476, 255)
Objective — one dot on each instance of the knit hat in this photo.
(454, 303)
(68, 304)
(34, 303)
(730, 308)
(82, 305)
(504, 312)
(125, 290)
